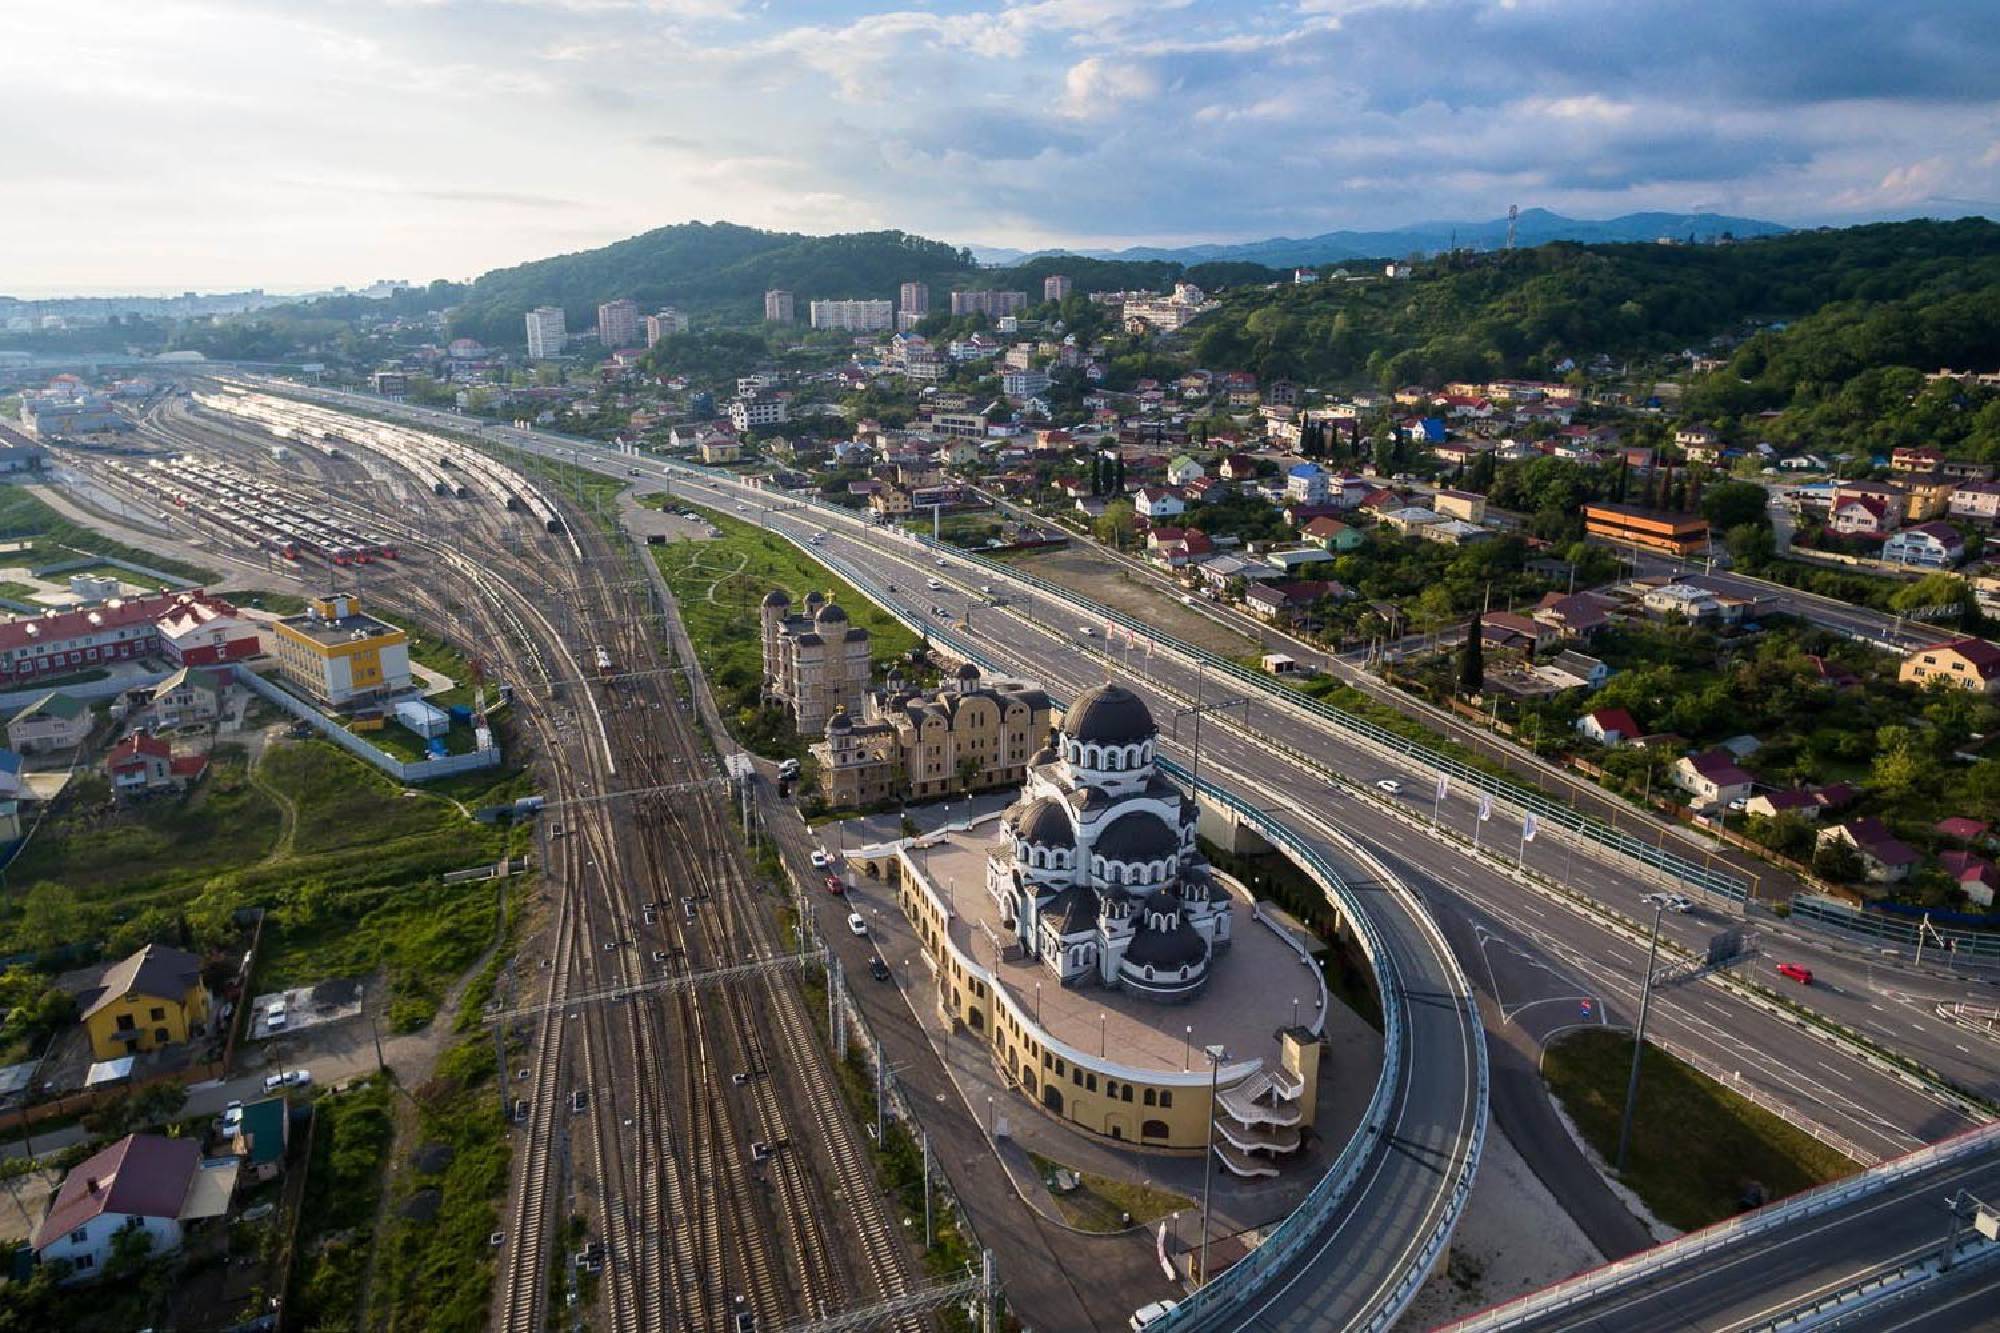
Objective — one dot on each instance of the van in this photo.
(1802, 975)
(788, 769)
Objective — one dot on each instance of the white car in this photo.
(299, 1078)
(941, 562)
(1148, 1315)
(272, 1082)
(856, 924)
(1389, 785)
(820, 859)
(232, 1117)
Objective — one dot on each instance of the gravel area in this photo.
(1513, 1238)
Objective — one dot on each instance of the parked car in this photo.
(299, 1078)
(856, 924)
(272, 1082)
(878, 969)
(1148, 1315)
(232, 1117)
(820, 859)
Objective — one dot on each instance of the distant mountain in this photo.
(1537, 226)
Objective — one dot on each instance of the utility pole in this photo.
(927, 1191)
(1639, 1036)
(1215, 1055)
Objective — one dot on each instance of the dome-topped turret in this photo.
(830, 614)
(776, 597)
(1044, 822)
(967, 674)
(839, 722)
(1109, 715)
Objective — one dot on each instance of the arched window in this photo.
(1052, 1098)
(977, 1017)
(1028, 1080)
(1153, 1129)
(1125, 1093)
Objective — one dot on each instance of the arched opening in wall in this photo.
(1028, 1080)
(1117, 1130)
(977, 1019)
(1052, 1098)
(1153, 1129)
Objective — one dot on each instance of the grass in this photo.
(278, 603)
(104, 569)
(18, 592)
(1699, 1151)
(337, 1228)
(437, 1274)
(720, 586)
(25, 516)
(357, 892)
(430, 651)
(1103, 1204)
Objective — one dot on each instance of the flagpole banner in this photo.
(1485, 806)
(1444, 785)
(1528, 828)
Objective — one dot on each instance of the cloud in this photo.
(1096, 84)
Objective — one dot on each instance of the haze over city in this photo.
(169, 144)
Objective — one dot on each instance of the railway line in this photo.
(700, 1133)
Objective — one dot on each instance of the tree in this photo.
(1116, 523)
(1735, 503)
(1751, 545)
(49, 916)
(1837, 860)
(1472, 660)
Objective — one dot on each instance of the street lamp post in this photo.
(1639, 1036)
(1214, 1054)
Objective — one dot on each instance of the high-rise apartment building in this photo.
(988, 303)
(1056, 287)
(618, 324)
(668, 321)
(546, 334)
(914, 299)
(858, 316)
(778, 307)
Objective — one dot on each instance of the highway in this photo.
(1764, 1277)
(1541, 959)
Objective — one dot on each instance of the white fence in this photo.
(422, 770)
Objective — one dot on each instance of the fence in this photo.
(422, 770)
(1959, 945)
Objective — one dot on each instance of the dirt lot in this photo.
(1083, 570)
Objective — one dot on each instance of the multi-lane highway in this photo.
(1544, 960)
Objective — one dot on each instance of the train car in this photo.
(604, 663)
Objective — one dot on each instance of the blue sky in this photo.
(292, 143)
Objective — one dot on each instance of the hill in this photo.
(1527, 311)
(1537, 226)
(720, 272)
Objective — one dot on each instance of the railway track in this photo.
(701, 1227)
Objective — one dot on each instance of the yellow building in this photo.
(1967, 664)
(154, 998)
(963, 737)
(340, 655)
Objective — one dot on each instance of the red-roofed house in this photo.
(1927, 545)
(1238, 467)
(1961, 829)
(1970, 664)
(1607, 726)
(199, 630)
(1771, 804)
(1975, 875)
(1884, 858)
(1712, 778)
(139, 763)
(141, 1182)
(1863, 516)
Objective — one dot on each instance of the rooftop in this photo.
(356, 625)
(1243, 1006)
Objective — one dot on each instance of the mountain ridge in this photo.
(1536, 226)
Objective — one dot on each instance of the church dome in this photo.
(776, 597)
(1044, 822)
(830, 614)
(1139, 835)
(1109, 715)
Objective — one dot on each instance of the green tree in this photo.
(1118, 521)
(1472, 660)
(49, 916)
(1734, 504)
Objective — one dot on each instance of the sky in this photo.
(293, 144)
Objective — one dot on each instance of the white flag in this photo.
(1485, 806)
(1444, 786)
(1527, 828)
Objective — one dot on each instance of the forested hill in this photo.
(1473, 317)
(720, 272)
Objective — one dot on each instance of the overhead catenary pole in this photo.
(1639, 1036)
(1214, 1054)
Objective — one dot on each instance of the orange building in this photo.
(1673, 534)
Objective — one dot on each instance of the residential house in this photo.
(1975, 876)
(190, 695)
(1576, 615)
(141, 762)
(1183, 470)
(1510, 631)
(1306, 483)
(1682, 599)
(1584, 669)
(1286, 603)
(1289, 559)
(1157, 502)
(1455, 532)
(1460, 504)
(56, 721)
(1885, 859)
(1332, 533)
(1176, 548)
(1915, 458)
(1929, 545)
(1712, 779)
(151, 999)
(263, 1132)
(1692, 438)
(1959, 828)
(1237, 467)
(1863, 516)
(1887, 507)
(1217, 573)
(1976, 500)
(1771, 804)
(1969, 664)
(1608, 726)
(1205, 490)
(1411, 517)
(143, 1182)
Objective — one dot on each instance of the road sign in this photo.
(1724, 946)
(1586, 1008)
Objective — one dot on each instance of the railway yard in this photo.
(664, 1073)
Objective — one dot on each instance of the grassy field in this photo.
(350, 1148)
(1100, 1203)
(351, 881)
(1698, 1149)
(278, 603)
(720, 586)
(24, 516)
